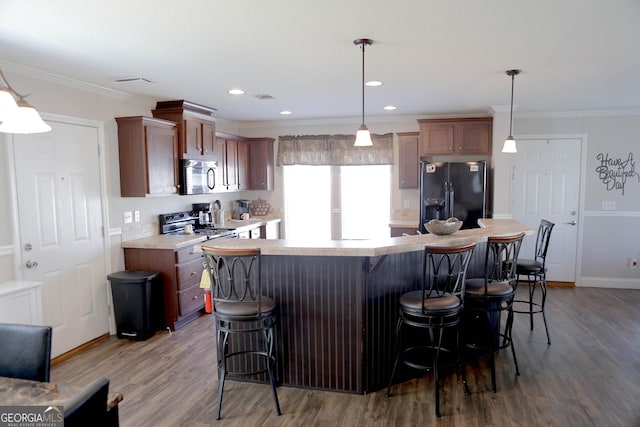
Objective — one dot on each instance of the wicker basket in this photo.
(260, 207)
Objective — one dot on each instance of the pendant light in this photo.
(363, 137)
(510, 143)
(18, 116)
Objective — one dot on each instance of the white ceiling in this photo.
(434, 56)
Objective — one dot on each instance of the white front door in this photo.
(61, 229)
(547, 185)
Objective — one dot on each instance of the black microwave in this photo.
(197, 176)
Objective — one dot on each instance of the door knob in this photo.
(573, 222)
(31, 264)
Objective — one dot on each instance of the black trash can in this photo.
(137, 303)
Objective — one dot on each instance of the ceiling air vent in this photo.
(264, 96)
(133, 79)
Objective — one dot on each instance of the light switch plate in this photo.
(127, 218)
(608, 205)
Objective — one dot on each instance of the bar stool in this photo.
(435, 308)
(241, 310)
(535, 271)
(488, 297)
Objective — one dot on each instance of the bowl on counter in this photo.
(443, 227)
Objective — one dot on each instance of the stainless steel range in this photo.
(178, 222)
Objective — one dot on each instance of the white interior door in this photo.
(61, 230)
(547, 185)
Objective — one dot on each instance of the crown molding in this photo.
(72, 83)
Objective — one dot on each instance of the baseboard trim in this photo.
(68, 354)
(604, 282)
(561, 284)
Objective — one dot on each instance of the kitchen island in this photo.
(338, 301)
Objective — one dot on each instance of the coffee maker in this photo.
(203, 212)
(240, 207)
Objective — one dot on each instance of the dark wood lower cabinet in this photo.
(181, 271)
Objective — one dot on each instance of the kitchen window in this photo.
(337, 202)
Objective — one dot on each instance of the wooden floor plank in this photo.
(589, 376)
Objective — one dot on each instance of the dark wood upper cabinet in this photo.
(148, 153)
(260, 171)
(469, 136)
(248, 162)
(196, 127)
(230, 176)
(408, 149)
(243, 163)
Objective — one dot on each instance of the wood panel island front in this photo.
(338, 301)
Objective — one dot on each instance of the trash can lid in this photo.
(132, 276)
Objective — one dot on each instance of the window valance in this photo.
(335, 150)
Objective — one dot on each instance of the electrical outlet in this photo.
(136, 216)
(127, 218)
(633, 263)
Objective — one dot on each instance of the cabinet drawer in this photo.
(189, 274)
(191, 299)
(187, 254)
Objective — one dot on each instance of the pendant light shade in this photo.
(510, 143)
(363, 137)
(7, 104)
(18, 116)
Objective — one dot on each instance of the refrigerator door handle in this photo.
(450, 199)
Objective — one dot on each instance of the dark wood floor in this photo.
(589, 376)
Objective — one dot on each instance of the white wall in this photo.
(610, 237)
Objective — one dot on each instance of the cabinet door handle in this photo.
(193, 273)
(195, 297)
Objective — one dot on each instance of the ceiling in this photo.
(434, 57)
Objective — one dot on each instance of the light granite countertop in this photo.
(177, 241)
(376, 247)
(402, 223)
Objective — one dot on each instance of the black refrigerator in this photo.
(453, 189)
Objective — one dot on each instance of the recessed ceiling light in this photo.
(390, 107)
(285, 112)
(373, 83)
(236, 92)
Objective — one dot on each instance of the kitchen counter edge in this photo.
(377, 247)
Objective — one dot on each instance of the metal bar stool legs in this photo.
(269, 355)
(268, 336)
(533, 282)
(535, 271)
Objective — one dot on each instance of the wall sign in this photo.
(614, 172)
